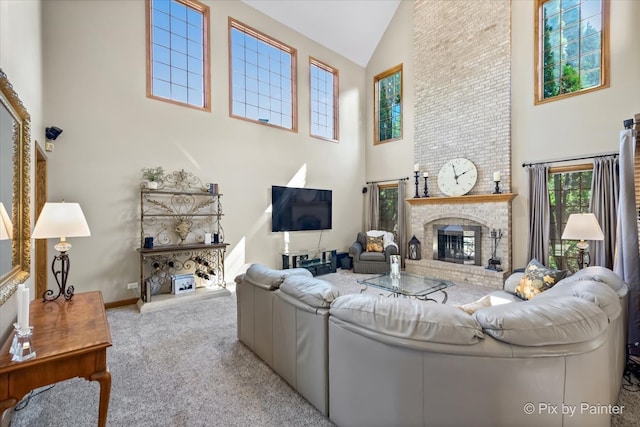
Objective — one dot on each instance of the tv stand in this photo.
(317, 261)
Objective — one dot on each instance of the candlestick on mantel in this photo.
(416, 167)
(496, 176)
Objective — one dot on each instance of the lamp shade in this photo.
(6, 226)
(582, 226)
(61, 220)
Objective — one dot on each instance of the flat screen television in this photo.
(300, 209)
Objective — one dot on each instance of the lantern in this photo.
(415, 251)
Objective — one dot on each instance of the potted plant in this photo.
(153, 176)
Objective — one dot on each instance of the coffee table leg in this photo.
(426, 298)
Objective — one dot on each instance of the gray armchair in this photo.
(370, 262)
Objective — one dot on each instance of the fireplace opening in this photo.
(458, 244)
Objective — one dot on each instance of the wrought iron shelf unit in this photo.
(180, 234)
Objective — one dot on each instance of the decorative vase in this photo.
(395, 266)
(152, 185)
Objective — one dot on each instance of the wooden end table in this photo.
(70, 339)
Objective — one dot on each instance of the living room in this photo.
(81, 65)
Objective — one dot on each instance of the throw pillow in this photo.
(536, 279)
(375, 244)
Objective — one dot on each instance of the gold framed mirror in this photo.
(15, 188)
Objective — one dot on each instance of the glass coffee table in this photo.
(408, 285)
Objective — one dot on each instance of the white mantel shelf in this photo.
(473, 198)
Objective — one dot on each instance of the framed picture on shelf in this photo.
(182, 284)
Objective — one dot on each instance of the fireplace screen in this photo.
(458, 244)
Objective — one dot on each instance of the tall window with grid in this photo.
(388, 208)
(569, 193)
(178, 52)
(388, 105)
(263, 76)
(324, 100)
(572, 42)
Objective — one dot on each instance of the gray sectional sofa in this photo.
(366, 360)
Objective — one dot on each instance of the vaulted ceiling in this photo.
(352, 28)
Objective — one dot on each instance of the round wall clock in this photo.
(457, 177)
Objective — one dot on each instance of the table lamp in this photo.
(582, 227)
(6, 226)
(60, 220)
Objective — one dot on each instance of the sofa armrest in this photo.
(390, 250)
(355, 250)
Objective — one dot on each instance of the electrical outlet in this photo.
(132, 285)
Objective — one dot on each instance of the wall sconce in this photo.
(582, 227)
(6, 226)
(60, 220)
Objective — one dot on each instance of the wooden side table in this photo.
(70, 339)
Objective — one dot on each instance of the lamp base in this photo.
(60, 275)
(21, 348)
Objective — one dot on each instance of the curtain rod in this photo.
(388, 180)
(570, 160)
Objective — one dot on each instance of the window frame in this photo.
(570, 245)
(336, 99)
(382, 187)
(376, 103)
(206, 62)
(538, 53)
(235, 24)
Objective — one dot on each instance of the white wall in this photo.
(394, 159)
(20, 59)
(95, 91)
(581, 125)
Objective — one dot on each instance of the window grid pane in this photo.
(324, 100)
(178, 57)
(261, 77)
(388, 105)
(572, 35)
(569, 193)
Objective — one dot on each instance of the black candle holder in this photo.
(497, 189)
(417, 176)
(426, 188)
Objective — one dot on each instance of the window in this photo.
(178, 52)
(572, 44)
(569, 193)
(388, 105)
(263, 76)
(388, 208)
(324, 100)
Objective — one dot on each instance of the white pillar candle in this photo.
(416, 167)
(425, 174)
(23, 308)
(207, 238)
(496, 176)
(19, 308)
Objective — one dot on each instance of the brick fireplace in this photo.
(481, 213)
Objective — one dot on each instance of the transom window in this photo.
(388, 105)
(324, 100)
(177, 52)
(571, 47)
(263, 76)
(569, 193)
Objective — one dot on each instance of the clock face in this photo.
(457, 177)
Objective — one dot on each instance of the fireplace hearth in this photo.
(459, 244)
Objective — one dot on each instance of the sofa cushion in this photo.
(313, 292)
(596, 292)
(512, 282)
(405, 318)
(543, 321)
(372, 256)
(270, 278)
(603, 275)
(536, 279)
(375, 244)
